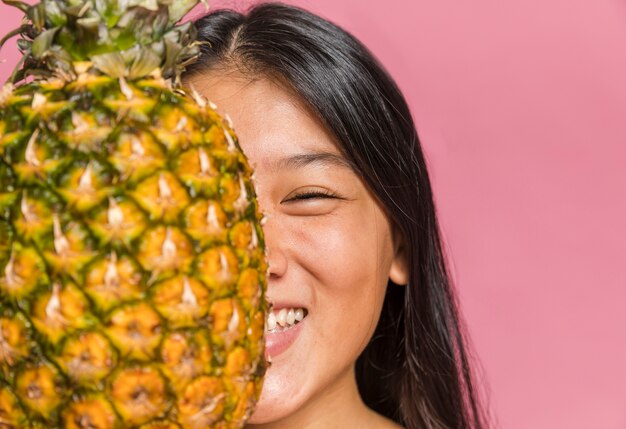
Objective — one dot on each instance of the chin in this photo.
(284, 392)
(272, 410)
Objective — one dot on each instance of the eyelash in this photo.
(313, 194)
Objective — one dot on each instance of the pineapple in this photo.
(132, 262)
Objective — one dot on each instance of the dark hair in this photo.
(415, 370)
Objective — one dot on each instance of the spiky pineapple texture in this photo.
(132, 265)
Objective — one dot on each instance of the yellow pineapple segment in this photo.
(112, 280)
(86, 133)
(176, 129)
(228, 322)
(121, 222)
(237, 362)
(87, 357)
(38, 160)
(133, 104)
(70, 251)
(83, 82)
(255, 334)
(41, 108)
(248, 287)
(197, 170)
(234, 193)
(185, 356)
(139, 394)
(247, 399)
(165, 251)
(13, 344)
(34, 219)
(243, 236)
(137, 155)
(23, 272)
(38, 388)
(206, 222)
(84, 187)
(162, 196)
(57, 312)
(11, 415)
(182, 300)
(91, 413)
(202, 403)
(218, 268)
(135, 330)
(12, 138)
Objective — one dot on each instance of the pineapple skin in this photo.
(132, 262)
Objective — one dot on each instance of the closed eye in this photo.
(308, 201)
(312, 195)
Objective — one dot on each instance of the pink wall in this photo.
(521, 107)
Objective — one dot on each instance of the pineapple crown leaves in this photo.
(121, 38)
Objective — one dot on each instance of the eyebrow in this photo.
(305, 159)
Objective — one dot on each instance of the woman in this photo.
(354, 247)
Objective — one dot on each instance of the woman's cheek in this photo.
(336, 251)
(346, 293)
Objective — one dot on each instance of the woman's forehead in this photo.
(272, 123)
(224, 84)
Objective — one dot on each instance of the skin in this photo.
(332, 254)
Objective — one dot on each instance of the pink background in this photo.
(521, 108)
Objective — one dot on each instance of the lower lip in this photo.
(278, 342)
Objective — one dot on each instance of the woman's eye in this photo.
(311, 202)
(311, 195)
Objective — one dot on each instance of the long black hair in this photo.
(416, 369)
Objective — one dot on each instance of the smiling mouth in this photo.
(284, 319)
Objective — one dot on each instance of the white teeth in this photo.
(283, 319)
(271, 321)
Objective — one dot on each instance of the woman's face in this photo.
(331, 249)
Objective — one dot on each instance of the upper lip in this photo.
(280, 304)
